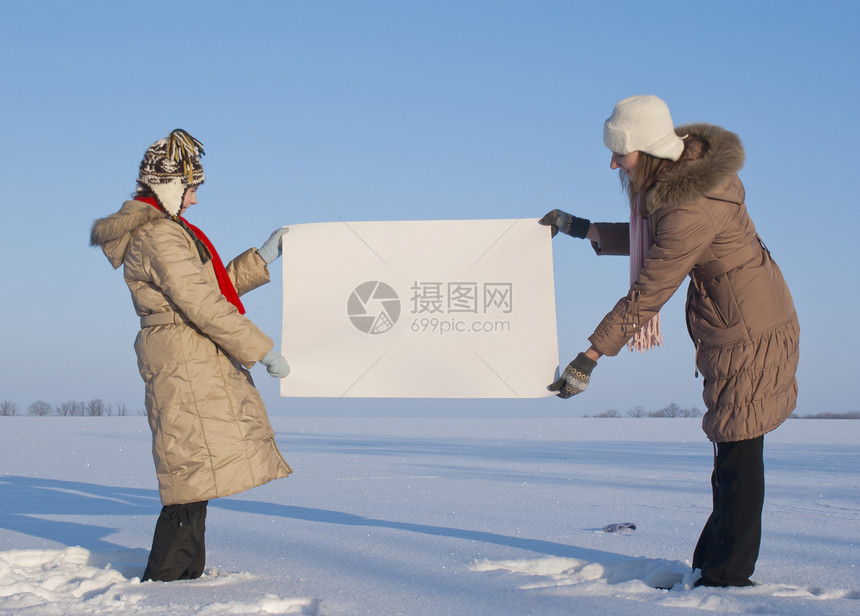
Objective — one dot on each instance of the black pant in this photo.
(728, 546)
(178, 546)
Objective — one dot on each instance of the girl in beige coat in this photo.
(689, 219)
(211, 435)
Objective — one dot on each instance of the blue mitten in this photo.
(276, 364)
(271, 248)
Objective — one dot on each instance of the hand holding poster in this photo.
(419, 309)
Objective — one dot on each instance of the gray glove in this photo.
(566, 223)
(575, 377)
(271, 249)
(276, 364)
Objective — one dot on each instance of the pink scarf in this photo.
(649, 335)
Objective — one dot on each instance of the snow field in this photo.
(428, 516)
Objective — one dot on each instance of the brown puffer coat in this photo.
(211, 435)
(740, 314)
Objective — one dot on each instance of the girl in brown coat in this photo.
(211, 435)
(689, 218)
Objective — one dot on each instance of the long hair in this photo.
(650, 168)
(142, 191)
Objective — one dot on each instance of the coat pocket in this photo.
(713, 316)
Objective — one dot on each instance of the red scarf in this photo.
(224, 282)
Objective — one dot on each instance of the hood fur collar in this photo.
(721, 158)
(112, 234)
(132, 215)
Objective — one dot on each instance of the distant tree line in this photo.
(70, 408)
(674, 410)
(848, 415)
(98, 408)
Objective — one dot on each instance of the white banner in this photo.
(419, 309)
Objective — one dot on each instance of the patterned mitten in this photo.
(566, 223)
(575, 377)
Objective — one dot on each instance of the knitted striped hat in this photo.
(170, 167)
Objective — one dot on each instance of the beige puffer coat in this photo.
(211, 435)
(740, 313)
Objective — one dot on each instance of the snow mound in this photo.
(39, 577)
(635, 578)
(75, 581)
(637, 574)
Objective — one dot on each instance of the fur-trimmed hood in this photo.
(710, 173)
(113, 232)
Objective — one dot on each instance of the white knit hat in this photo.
(642, 123)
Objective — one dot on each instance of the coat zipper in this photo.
(697, 342)
(635, 314)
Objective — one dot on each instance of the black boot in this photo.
(178, 546)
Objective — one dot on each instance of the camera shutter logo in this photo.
(373, 307)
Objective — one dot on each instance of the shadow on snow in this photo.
(25, 500)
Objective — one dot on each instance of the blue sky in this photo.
(413, 110)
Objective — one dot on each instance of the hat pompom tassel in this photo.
(182, 148)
